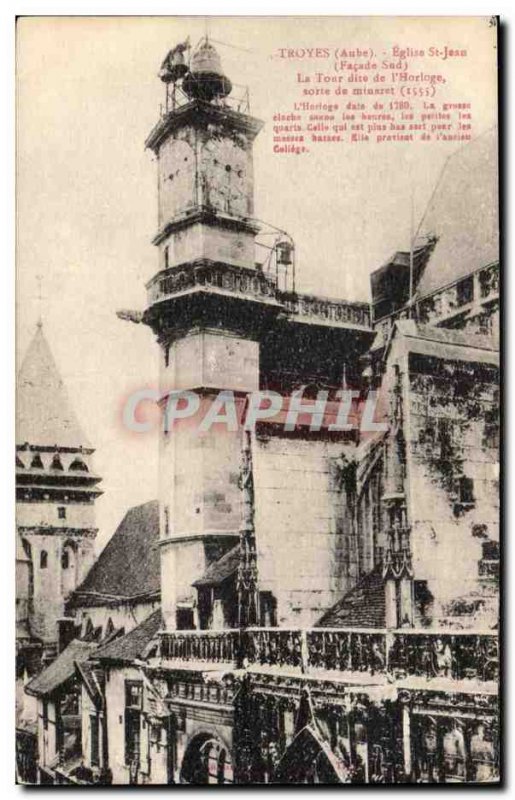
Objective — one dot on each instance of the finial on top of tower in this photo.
(205, 79)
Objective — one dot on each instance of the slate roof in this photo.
(128, 567)
(134, 643)
(60, 670)
(44, 414)
(362, 607)
(463, 213)
(218, 571)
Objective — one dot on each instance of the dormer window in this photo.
(56, 462)
(36, 462)
(78, 465)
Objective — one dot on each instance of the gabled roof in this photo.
(463, 214)
(220, 570)
(362, 607)
(60, 670)
(44, 415)
(134, 643)
(128, 567)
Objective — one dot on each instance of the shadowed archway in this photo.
(206, 761)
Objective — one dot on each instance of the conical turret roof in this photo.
(44, 414)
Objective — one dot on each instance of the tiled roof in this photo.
(60, 670)
(463, 214)
(44, 414)
(128, 567)
(219, 570)
(362, 607)
(134, 643)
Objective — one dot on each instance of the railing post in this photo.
(304, 651)
(388, 646)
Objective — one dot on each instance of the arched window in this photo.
(206, 761)
(27, 549)
(43, 559)
(68, 567)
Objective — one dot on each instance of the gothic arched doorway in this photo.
(308, 760)
(206, 761)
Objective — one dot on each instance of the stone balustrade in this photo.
(201, 646)
(224, 277)
(258, 285)
(394, 653)
(327, 310)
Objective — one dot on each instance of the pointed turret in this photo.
(44, 414)
(56, 489)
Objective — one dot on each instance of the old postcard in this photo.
(257, 443)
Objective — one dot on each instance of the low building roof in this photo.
(128, 568)
(455, 345)
(362, 607)
(134, 643)
(60, 670)
(220, 570)
(451, 344)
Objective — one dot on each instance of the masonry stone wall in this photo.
(453, 475)
(78, 515)
(304, 536)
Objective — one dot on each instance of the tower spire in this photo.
(39, 279)
(40, 386)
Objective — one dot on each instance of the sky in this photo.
(88, 95)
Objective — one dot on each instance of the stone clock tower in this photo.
(207, 305)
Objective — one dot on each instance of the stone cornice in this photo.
(199, 114)
(52, 530)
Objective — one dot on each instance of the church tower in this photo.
(207, 305)
(56, 489)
